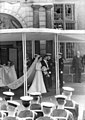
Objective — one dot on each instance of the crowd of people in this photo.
(32, 107)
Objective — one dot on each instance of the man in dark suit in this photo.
(61, 66)
(45, 72)
(77, 67)
(50, 65)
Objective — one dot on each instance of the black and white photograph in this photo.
(42, 59)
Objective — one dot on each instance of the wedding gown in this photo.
(38, 82)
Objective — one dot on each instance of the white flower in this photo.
(44, 69)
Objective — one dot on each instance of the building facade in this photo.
(56, 14)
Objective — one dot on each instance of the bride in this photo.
(38, 82)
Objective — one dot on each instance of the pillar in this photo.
(36, 15)
(48, 15)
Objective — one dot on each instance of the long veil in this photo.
(18, 82)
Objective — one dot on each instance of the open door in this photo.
(13, 57)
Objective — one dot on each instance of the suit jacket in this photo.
(44, 63)
(61, 64)
(46, 66)
(76, 63)
(50, 65)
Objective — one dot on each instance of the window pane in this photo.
(49, 46)
(58, 12)
(42, 47)
(58, 25)
(62, 47)
(69, 12)
(29, 48)
(70, 26)
(69, 50)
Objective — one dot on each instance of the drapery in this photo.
(9, 74)
(18, 82)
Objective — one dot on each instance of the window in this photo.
(42, 47)
(69, 12)
(70, 26)
(58, 12)
(62, 49)
(64, 18)
(69, 50)
(8, 21)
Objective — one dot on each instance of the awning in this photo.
(25, 34)
(42, 34)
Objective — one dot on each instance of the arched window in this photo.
(8, 22)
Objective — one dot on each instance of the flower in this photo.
(44, 69)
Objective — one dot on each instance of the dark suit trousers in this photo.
(45, 81)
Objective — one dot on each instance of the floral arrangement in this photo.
(45, 71)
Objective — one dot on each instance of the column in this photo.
(36, 15)
(48, 16)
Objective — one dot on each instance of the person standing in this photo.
(77, 67)
(38, 84)
(45, 72)
(50, 65)
(61, 66)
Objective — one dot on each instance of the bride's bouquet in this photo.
(45, 71)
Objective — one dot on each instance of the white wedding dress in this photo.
(38, 82)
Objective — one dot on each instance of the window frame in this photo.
(64, 21)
